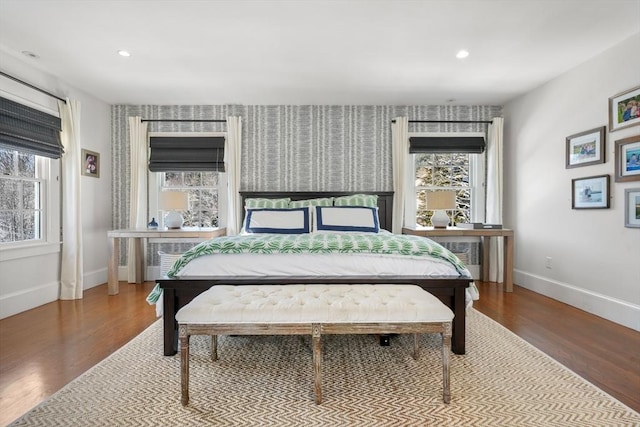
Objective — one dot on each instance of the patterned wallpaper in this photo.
(295, 147)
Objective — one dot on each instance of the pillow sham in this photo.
(359, 219)
(370, 200)
(277, 221)
(324, 201)
(267, 203)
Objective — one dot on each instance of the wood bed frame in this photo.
(179, 292)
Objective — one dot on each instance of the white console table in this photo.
(139, 236)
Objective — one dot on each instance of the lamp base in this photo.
(173, 220)
(440, 219)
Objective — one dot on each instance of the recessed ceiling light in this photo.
(124, 53)
(30, 54)
(462, 54)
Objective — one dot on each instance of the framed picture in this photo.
(628, 159)
(590, 193)
(624, 109)
(632, 207)
(90, 163)
(586, 148)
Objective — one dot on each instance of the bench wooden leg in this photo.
(416, 346)
(317, 361)
(214, 348)
(184, 364)
(446, 360)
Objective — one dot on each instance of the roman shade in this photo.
(186, 153)
(29, 130)
(446, 144)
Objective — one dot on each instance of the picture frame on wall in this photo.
(590, 193)
(632, 207)
(90, 165)
(627, 153)
(624, 109)
(586, 148)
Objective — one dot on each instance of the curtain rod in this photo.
(32, 86)
(182, 120)
(448, 121)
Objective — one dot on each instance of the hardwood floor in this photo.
(43, 349)
(604, 353)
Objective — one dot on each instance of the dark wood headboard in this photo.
(385, 200)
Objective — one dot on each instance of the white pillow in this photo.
(346, 219)
(277, 221)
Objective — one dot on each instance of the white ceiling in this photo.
(378, 52)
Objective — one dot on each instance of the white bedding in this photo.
(314, 265)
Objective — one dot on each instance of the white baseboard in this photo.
(621, 312)
(27, 299)
(18, 302)
(94, 278)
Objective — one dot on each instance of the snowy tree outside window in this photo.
(202, 190)
(21, 201)
(443, 172)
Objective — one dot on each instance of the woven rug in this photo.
(268, 381)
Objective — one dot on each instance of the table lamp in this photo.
(438, 201)
(172, 202)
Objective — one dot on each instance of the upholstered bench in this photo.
(313, 310)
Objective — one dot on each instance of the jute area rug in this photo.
(268, 381)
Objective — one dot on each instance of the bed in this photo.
(449, 284)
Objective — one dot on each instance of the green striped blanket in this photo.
(318, 243)
(322, 243)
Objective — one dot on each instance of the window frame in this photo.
(477, 181)
(155, 183)
(48, 174)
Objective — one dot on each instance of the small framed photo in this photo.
(590, 193)
(632, 207)
(90, 163)
(624, 109)
(627, 154)
(586, 148)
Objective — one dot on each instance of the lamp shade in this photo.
(441, 200)
(173, 201)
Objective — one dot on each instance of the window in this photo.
(21, 196)
(202, 189)
(206, 200)
(460, 172)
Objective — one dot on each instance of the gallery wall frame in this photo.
(627, 159)
(624, 109)
(586, 148)
(591, 192)
(90, 163)
(632, 207)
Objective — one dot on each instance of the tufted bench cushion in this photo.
(313, 310)
(314, 304)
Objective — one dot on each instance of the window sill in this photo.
(28, 250)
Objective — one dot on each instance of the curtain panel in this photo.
(71, 269)
(495, 171)
(138, 137)
(232, 160)
(400, 160)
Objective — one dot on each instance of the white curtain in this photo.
(232, 153)
(400, 156)
(494, 196)
(71, 270)
(138, 195)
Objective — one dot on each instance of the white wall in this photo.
(31, 277)
(595, 259)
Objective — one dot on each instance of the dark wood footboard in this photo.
(179, 292)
